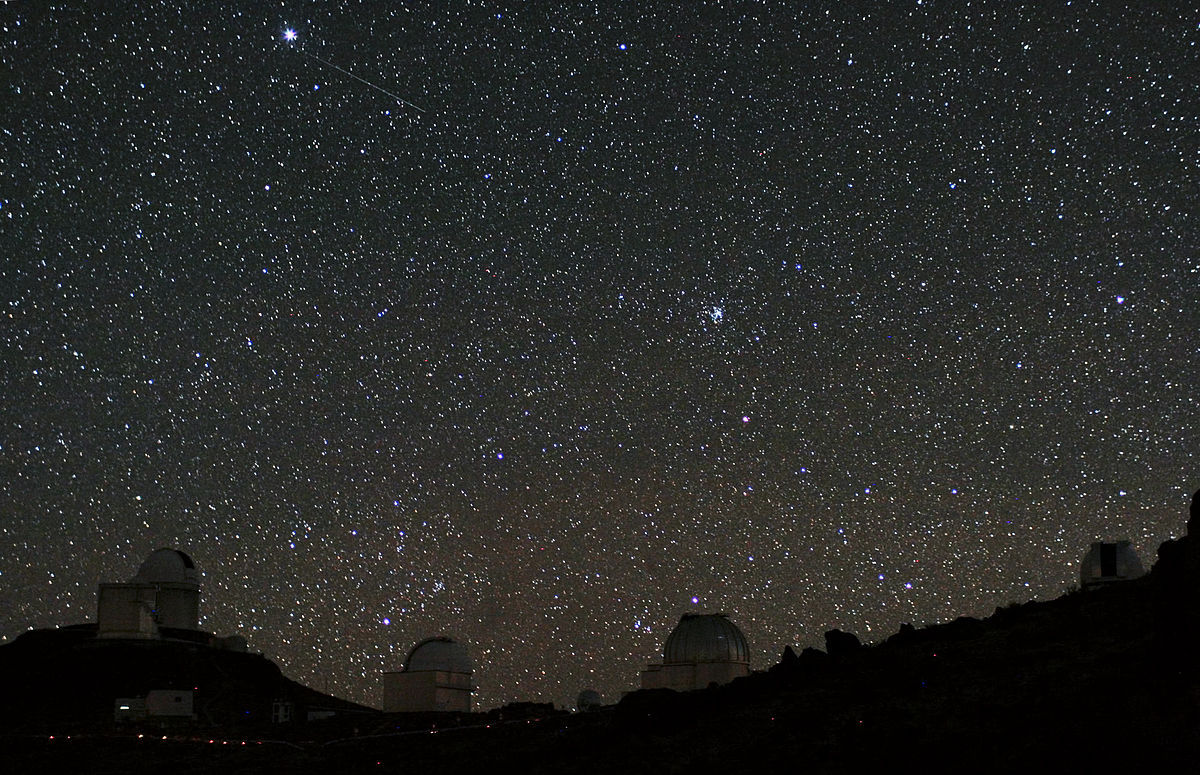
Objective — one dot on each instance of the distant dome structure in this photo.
(165, 593)
(588, 701)
(1106, 563)
(703, 649)
(441, 654)
(168, 566)
(436, 676)
(706, 638)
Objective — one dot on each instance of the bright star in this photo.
(289, 35)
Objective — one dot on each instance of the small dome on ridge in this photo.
(706, 638)
(442, 654)
(168, 566)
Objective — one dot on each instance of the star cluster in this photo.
(822, 315)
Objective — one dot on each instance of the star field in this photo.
(538, 326)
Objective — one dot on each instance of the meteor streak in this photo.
(290, 35)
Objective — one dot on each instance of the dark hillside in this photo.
(1098, 678)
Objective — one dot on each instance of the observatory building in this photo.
(165, 593)
(703, 649)
(1106, 563)
(436, 677)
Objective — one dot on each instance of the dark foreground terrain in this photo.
(1097, 679)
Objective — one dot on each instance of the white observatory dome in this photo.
(168, 566)
(441, 654)
(705, 638)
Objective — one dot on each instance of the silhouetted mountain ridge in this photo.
(67, 680)
(1092, 679)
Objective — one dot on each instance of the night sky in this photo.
(540, 324)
